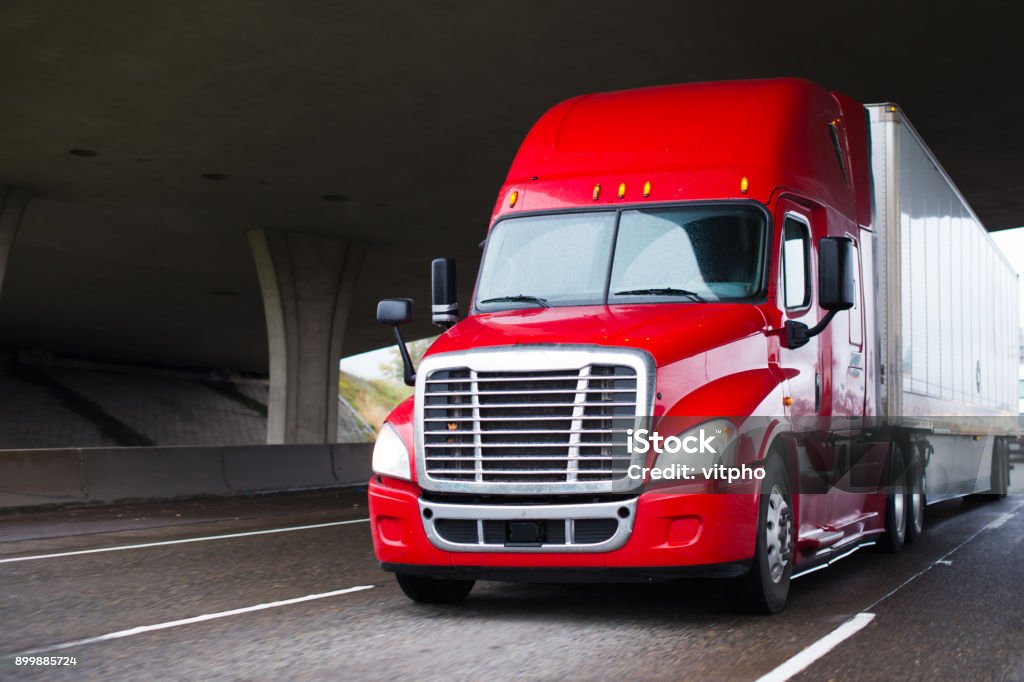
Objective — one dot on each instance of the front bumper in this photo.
(674, 532)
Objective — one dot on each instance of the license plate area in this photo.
(525, 533)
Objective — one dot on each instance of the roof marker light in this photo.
(513, 198)
(744, 184)
(597, 191)
(622, 189)
(647, 189)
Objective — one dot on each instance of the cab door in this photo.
(848, 361)
(858, 462)
(799, 231)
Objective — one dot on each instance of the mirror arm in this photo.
(820, 327)
(796, 334)
(408, 371)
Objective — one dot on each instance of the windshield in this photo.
(683, 253)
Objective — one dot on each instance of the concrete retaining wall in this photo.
(31, 478)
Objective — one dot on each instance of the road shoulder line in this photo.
(120, 634)
(161, 543)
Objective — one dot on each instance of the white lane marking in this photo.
(1002, 519)
(851, 627)
(945, 557)
(120, 634)
(205, 538)
(818, 649)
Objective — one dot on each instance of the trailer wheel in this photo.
(766, 587)
(427, 590)
(896, 503)
(1000, 471)
(916, 500)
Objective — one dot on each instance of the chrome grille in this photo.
(557, 426)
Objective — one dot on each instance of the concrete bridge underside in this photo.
(233, 185)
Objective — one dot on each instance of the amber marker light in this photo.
(647, 189)
(744, 184)
(622, 190)
(512, 199)
(597, 191)
(787, 401)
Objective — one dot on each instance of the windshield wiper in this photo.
(526, 298)
(663, 291)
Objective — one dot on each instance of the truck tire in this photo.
(766, 587)
(896, 502)
(1000, 471)
(916, 500)
(427, 590)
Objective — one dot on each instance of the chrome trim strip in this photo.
(530, 358)
(548, 512)
(832, 560)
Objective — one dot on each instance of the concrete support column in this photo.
(12, 206)
(307, 282)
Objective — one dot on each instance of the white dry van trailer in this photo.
(946, 310)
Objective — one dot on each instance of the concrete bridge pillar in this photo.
(307, 282)
(12, 206)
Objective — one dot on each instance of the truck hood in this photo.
(669, 332)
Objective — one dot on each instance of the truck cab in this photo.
(689, 260)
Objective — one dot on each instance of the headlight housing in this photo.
(390, 456)
(705, 445)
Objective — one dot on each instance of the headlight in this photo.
(703, 446)
(390, 456)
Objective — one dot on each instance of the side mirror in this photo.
(836, 288)
(444, 300)
(836, 269)
(395, 312)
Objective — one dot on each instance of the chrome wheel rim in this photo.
(778, 534)
(899, 512)
(917, 504)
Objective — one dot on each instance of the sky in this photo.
(1012, 244)
(367, 365)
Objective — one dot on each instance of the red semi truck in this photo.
(777, 284)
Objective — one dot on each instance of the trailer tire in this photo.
(766, 587)
(1000, 471)
(426, 590)
(896, 502)
(916, 499)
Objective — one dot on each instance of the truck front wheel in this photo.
(766, 588)
(433, 590)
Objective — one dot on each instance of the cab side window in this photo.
(796, 264)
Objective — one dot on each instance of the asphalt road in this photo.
(949, 606)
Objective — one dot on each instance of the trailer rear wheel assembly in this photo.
(1000, 471)
(896, 502)
(916, 500)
